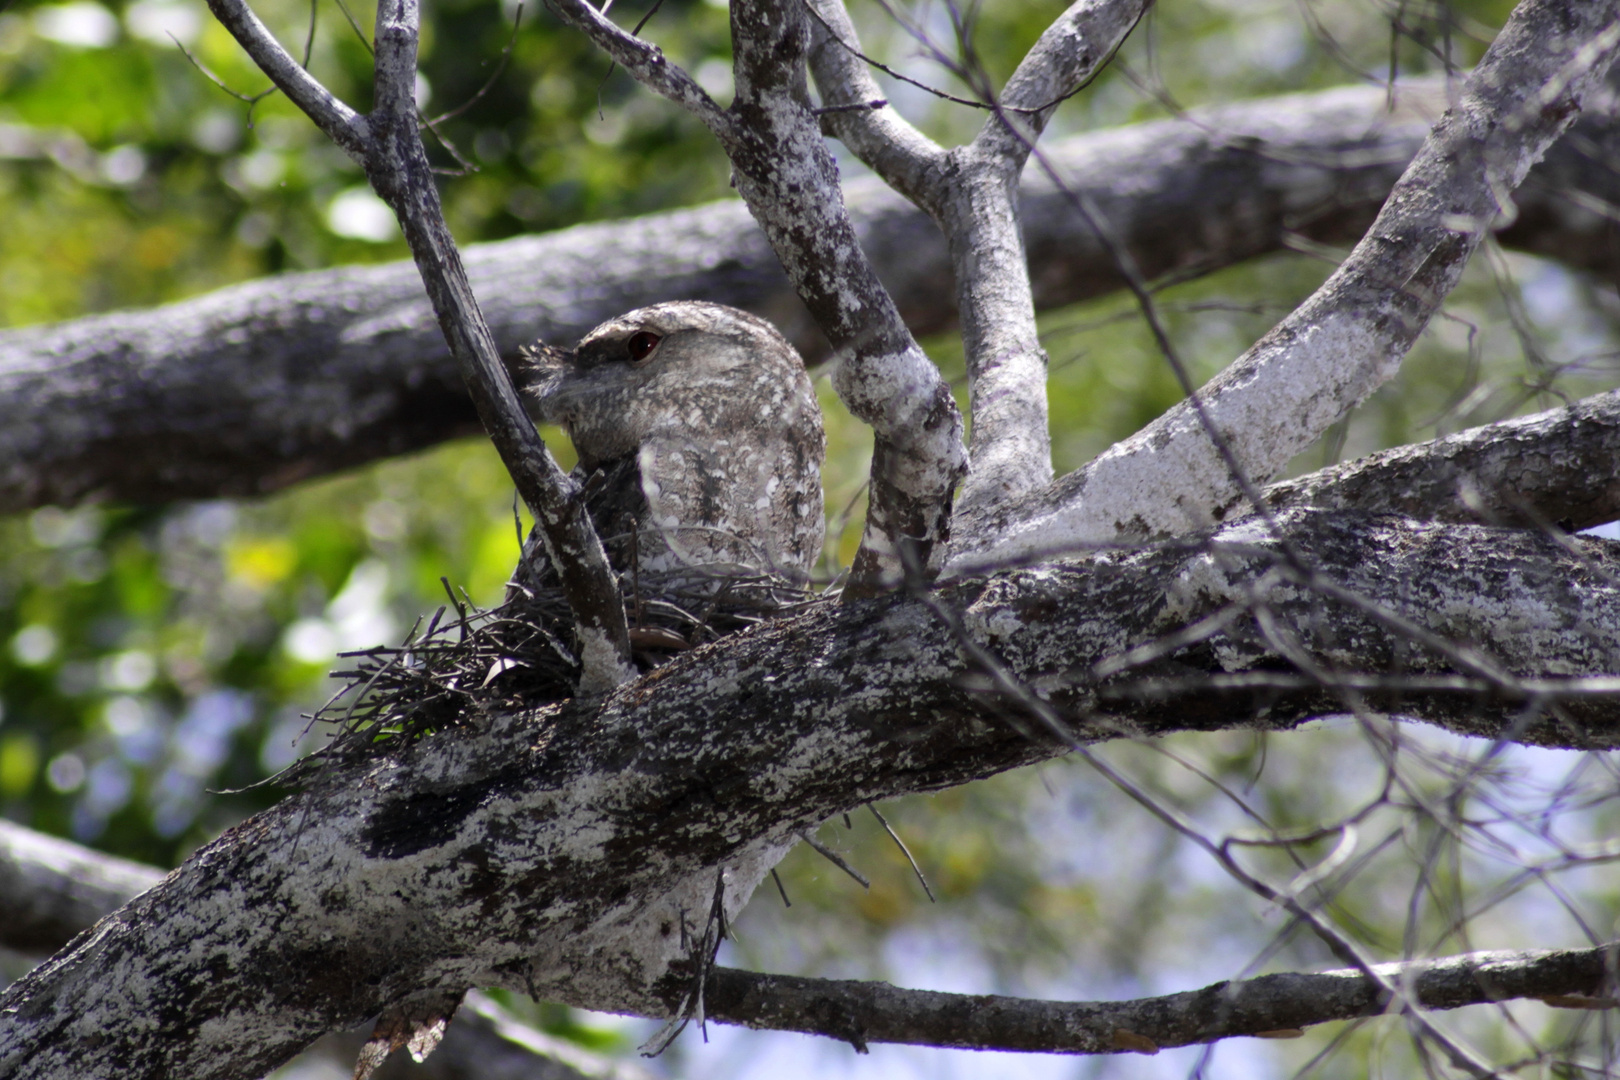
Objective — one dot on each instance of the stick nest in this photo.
(471, 661)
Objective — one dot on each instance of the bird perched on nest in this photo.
(700, 449)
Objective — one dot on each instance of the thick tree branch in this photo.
(41, 873)
(53, 889)
(1556, 468)
(553, 851)
(1351, 336)
(396, 164)
(1268, 1006)
(1559, 467)
(258, 386)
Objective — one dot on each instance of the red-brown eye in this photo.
(642, 345)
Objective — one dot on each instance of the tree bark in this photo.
(554, 851)
(52, 889)
(259, 386)
(1270, 1006)
(387, 143)
(43, 874)
(1204, 458)
(1556, 468)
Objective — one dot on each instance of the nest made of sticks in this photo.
(469, 661)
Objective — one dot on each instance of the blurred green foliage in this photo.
(152, 656)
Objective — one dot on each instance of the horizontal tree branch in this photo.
(258, 386)
(1560, 467)
(42, 873)
(1275, 1006)
(862, 1012)
(553, 851)
(51, 889)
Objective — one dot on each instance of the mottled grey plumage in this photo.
(699, 441)
(700, 461)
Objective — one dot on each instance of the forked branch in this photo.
(388, 145)
(1351, 336)
(971, 191)
(785, 173)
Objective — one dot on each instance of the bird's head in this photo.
(686, 365)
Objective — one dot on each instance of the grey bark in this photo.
(1271, 1006)
(553, 851)
(971, 192)
(40, 873)
(52, 889)
(1555, 468)
(1204, 457)
(259, 386)
(559, 850)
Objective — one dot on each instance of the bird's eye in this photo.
(642, 345)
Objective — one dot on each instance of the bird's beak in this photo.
(547, 366)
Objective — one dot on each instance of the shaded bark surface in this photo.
(1560, 467)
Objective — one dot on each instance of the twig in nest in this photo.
(518, 654)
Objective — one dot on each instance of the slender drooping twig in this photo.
(387, 144)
